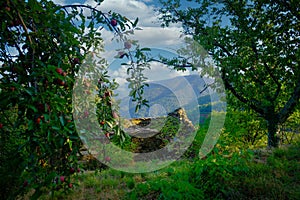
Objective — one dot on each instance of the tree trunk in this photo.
(272, 130)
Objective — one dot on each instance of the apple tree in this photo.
(42, 46)
(255, 46)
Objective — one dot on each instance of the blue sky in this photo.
(152, 35)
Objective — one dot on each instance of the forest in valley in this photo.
(218, 118)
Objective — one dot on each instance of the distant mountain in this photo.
(167, 95)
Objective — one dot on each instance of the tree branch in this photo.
(275, 81)
(240, 97)
(291, 104)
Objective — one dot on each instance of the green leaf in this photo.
(55, 128)
(33, 108)
(135, 22)
(62, 120)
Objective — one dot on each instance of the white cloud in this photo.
(152, 36)
(60, 2)
(159, 37)
(160, 71)
(129, 8)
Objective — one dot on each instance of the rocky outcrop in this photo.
(148, 135)
(175, 123)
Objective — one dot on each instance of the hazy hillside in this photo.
(167, 95)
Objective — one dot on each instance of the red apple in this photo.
(127, 45)
(64, 73)
(107, 159)
(12, 89)
(38, 120)
(40, 107)
(115, 115)
(61, 82)
(72, 170)
(107, 134)
(86, 113)
(70, 185)
(76, 61)
(107, 94)
(62, 178)
(1, 125)
(113, 22)
(59, 70)
(78, 170)
(25, 184)
(7, 8)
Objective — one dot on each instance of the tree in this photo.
(255, 45)
(42, 46)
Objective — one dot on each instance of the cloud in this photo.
(129, 8)
(157, 72)
(152, 35)
(60, 2)
(159, 37)
(160, 71)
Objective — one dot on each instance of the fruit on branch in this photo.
(76, 61)
(12, 89)
(107, 94)
(25, 183)
(115, 115)
(62, 178)
(107, 159)
(7, 8)
(70, 185)
(60, 82)
(59, 70)
(107, 134)
(113, 22)
(72, 170)
(1, 125)
(38, 120)
(102, 122)
(127, 45)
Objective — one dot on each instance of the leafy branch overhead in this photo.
(42, 48)
(254, 44)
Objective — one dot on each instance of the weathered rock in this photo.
(175, 123)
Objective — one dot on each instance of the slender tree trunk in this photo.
(272, 130)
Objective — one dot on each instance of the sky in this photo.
(152, 36)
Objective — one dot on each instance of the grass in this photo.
(216, 177)
(240, 174)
